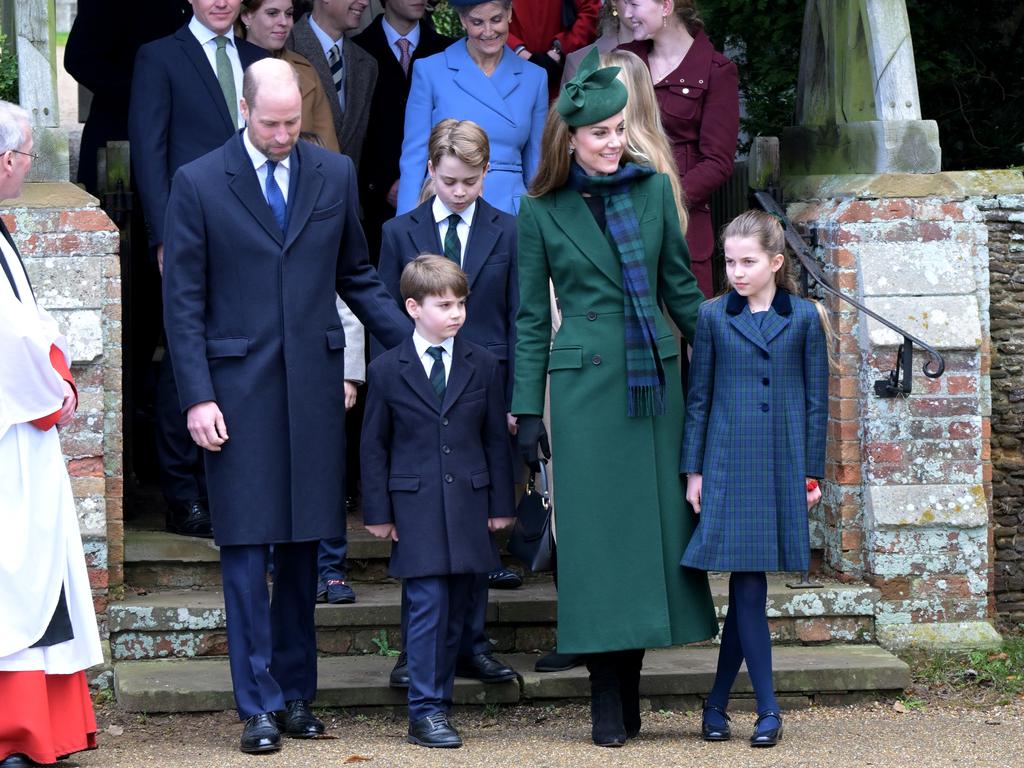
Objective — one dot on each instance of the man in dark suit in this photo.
(261, 235)
(402, 20)
(345, 69)
(184, 103)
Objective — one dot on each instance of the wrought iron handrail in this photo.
(899, 381)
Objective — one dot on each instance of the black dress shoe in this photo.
(16, 761)
(190, 518)
(559, 662)
(261, 734)
(298, 721)
(769, 736)
(504, 578)
(712, 731)
(485, 668)
(434, 731)
(399, 677)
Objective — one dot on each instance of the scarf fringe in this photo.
(646, 400)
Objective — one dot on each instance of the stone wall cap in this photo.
(947, 184)
(51, 194)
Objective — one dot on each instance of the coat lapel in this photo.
(194, 52)
(483, 234)
(489, 91)
(423, 232)
(305, 182)
(415, 376)
(779, 316)
(461, 373)
(572, 216)
(246, 186)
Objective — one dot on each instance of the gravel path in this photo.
(857, 736)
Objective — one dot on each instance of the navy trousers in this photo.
(271, 643)
(473, 640)
(437, 608)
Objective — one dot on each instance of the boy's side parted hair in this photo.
(462, 139)
(432, 275)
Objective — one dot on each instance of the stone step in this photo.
(186, 623)
(674, 678)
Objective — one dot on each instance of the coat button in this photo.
(701, 82)
(448, 478)
(591, 315)
(764, 407)
(445, 449)
(686, 90)
(766, 381)
(444, 421)
(596, 359)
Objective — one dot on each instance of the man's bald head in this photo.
(276, 74)
(272, 107)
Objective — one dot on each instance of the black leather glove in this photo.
(549, 65)
(532, 441)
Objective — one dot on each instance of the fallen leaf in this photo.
(357, 759)
(998, 657)
(900, 707)
(993, 722)
(115, 730)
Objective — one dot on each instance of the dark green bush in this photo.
(8, 71)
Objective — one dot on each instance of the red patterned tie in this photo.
(405, 60)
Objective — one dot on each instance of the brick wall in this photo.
(70, 251)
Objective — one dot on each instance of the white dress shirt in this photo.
(259, 162)
(422, 345)
(441, 214)
(208, 40)
(393, 37)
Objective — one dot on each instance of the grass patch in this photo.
(981, 677)
(62, 39)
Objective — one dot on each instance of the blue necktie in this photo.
(275, 198)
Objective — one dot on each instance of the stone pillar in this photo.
(909, 479)
(70, 249)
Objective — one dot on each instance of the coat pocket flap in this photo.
(481, 479)
(335, 338)
(668, 347)
(498, 349)
(565, 357)
(403, 483)
(326, 213)
(232, 347)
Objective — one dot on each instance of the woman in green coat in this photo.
(605, 231)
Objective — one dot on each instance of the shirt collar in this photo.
(422, 344)
(393, 35)
(323, 37)
(204, 34)
(257, 157)
(441, 212)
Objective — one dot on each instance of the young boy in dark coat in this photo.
(437, 479)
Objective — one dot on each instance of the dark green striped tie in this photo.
(452, 244)
(437, 371)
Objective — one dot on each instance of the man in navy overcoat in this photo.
(260, 235)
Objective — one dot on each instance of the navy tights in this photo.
(745, 637)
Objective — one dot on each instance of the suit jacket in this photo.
(383, 147)
(756, 424)
(511, 106)
(178, 113)
(360, 76)
(490, 266)
(437, 469)
(252, 324)
(700, 112)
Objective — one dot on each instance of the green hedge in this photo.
(8, 71)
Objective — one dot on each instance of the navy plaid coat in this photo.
(755, 428)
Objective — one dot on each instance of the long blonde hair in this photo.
(770, 236)
(644, 133)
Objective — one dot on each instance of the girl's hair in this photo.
(608, 20)
(768, 232)
(686, 11)
(462, 139)
(553, 171)
(426, 191)
(644, 134)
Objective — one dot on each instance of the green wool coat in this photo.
(621, 513)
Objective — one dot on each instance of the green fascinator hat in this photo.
(593, 95)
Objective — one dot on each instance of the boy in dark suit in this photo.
(437, 479)
(481, 239)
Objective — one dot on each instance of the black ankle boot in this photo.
(607, 728)
(629, 666)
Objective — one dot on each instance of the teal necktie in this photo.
(226, 78)
(452, 244)
(437, 371)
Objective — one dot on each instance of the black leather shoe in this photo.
(504, 578)
(260, 734)
(485, 668)
(434, 731)
(769, 736)
(298, 721)
(559, 662)
(16, 761)
(399, 677)
(190, 518)
(713, 732)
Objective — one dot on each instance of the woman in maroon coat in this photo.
(698, 95)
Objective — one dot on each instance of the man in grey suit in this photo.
(344, 67)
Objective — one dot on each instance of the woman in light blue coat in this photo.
(478, 78)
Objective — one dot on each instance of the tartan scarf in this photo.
(645, 375)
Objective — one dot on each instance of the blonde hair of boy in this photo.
(462, 139)
(644, 134)
(432, 275)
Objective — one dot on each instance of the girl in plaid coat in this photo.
(753, 450)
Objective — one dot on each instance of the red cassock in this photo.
(45, 717)
(538, 23)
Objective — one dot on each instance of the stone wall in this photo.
(908, 480)
(70, 249)
(1005, 218)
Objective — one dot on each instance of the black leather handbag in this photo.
(532, 540)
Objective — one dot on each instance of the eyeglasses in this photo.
(26, 154)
